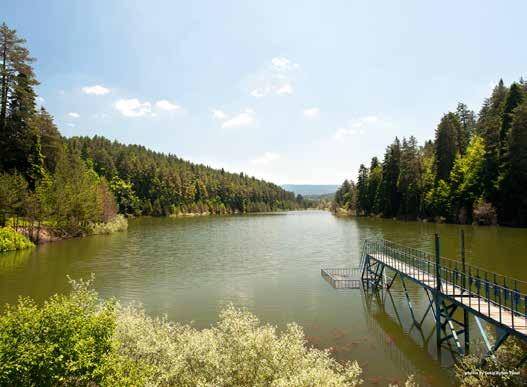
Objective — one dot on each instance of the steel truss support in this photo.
(372, 273)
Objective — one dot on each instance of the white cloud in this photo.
(261, 92)
(74, 115)
(356, 127)
(133, 107)
(241, 120)
(218, 114)
(370, 119)
(167, 105)
(266, 158)
(281, 62)
(70, 124)
(312, 112)
(342, 133)
(285, 89)
(276, 78)
(284, 64)
(95, 90)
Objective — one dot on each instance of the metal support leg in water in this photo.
(388, 286)
(409, 303)
(437, 298)
(466, 321)
(429, 307)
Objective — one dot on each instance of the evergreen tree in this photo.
(467, 127)
(20, 140)
(14, 60)
(389, 193)
(514, 183)
(374, 184)
(409, 176)
(363, 206)
(489, 127)
(51, 141)
(513, 99)
(446, 144)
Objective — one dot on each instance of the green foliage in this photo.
(125, 196)
(75, 339)
(466, 180)
(13, 193)
(117, 224)
(12, 240)
(66, 341)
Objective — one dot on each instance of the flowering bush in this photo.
(237, 351)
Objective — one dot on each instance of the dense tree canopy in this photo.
(153, 183)
(475, 170)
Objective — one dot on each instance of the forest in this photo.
(75, 183)
(473, 171)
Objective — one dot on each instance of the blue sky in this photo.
(289, 91)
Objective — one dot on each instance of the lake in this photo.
(190, 268)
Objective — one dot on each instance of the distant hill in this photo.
(311, 189)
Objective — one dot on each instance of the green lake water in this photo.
(270, 264)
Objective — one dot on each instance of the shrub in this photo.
(484, 213)
(66, 341)
(118, 223)
(237, 351)
(12, 240)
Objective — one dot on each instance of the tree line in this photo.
(473, 171)
(79, 181)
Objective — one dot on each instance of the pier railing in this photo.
(494, 295)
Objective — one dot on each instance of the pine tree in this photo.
(363, 206)
(374, 184)
(14, 60)
(409, 176)
(513, 99)
(389, 193)
(52, 147)
(446, 145)
(489, 127)
(20, 140)
(513, 186)
(467, 126)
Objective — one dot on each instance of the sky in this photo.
(298, 92)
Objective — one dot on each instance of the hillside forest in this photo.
(473, 171)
